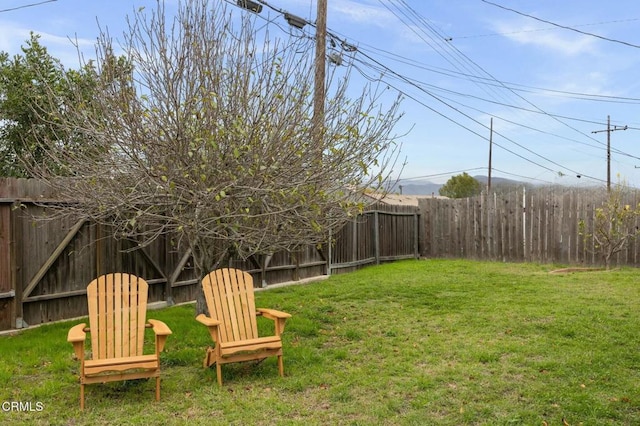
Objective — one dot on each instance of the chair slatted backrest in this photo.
(230, 300)
(117, 314)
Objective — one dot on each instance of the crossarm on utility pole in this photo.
(609, 129)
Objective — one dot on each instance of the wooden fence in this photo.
(383, 233)
(540, 225)
(46, 264)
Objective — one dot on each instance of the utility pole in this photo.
(319, 82)
(490, 147)
(319, 92)
(609, 130)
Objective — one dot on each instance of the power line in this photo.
(24, 6)
(457, 52)
(521, 176)
(618, 21)
(563, 26)
(441, 174)
(513, 86)
(454, 58)
(455, 172)
(489, 81)
(513, 107)
(481, 124)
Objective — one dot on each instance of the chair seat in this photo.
(98, 366)
(258, 344)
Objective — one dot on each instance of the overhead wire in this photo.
(486, 80)
(417, 82)
(24, 6)
(479, 123)
(404, 92)
(466, 115)
(454, 172)
(617, 21)
(473, 77)
(562, 26)
(600, 147)
(434, 43)
(449, 173)
(514, 86)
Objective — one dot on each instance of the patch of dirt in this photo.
(571, 270)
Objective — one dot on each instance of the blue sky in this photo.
(459, 63)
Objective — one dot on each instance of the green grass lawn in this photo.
(430, 342)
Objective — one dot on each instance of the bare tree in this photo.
(210, 138)
(614, 224)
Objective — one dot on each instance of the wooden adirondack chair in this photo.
(232, 321)
(117, 311)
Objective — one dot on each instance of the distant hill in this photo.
(417, 187)
(498, 181)
(425, 187)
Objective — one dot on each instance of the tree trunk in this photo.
(207, 258)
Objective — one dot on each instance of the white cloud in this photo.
(13, 37)
(363, 13)
(558, 40)
(374, 20)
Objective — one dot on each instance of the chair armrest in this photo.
(278, 317)
(273, 314)
(212, 324)
(208, 321)
(77, 336)
(159, 327)
(161, 331)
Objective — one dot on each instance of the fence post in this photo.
(17, 311)
(376, 235)
(329, 253)
(524, 225)
(295, 274)
(354, 240)
(416, 235)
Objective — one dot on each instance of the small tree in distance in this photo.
(461, 186)
(210, 139)
(614, 225)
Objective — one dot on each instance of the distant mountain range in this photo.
(425, 187)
